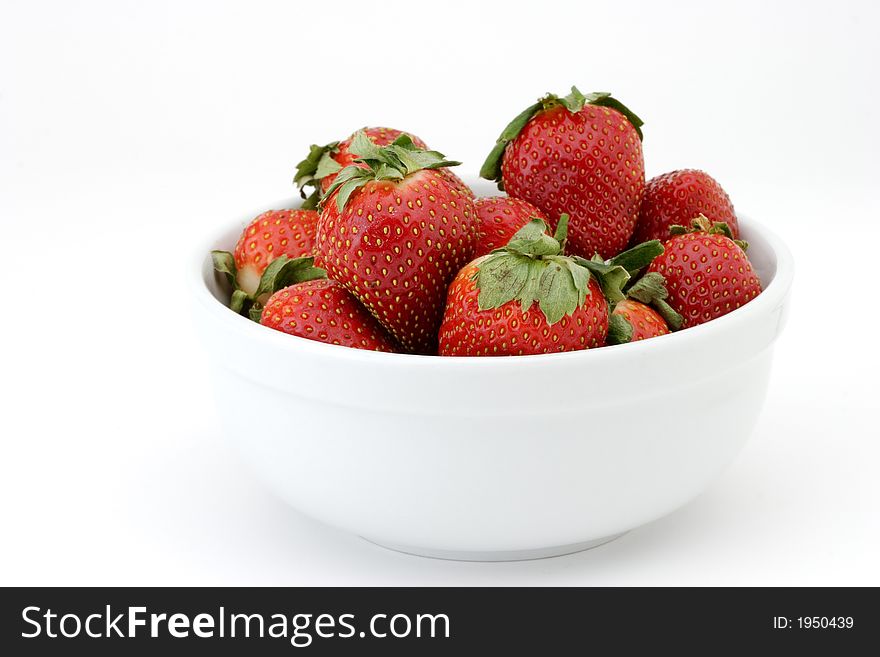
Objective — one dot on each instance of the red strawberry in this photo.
(677, 197)
(581, 155)
(395, 234)
(323, 163)
(457, 182)
(276, 240)
(525, 299)
(325, 311)
(500, 217)
(272, 234)
(707, 272)
(644, 321)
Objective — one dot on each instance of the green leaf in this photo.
(224, 262)
(318, 164)
(327, 166)
(256, 312)
(285, 271)
(305, 170)
(544, 245)
(491, 169)
(363, 147)
(638, 257)
(574, 102)
(348, 174)
(561, 233)
(532, 230)
(620, 331)
(612, 283)
(530, 291)
(533, 240)
(673, 320)
(612, 278)
(385, 172)
(650, 287)
(596, 97)
(404, 141)
(270, 275)
(501, 278)
(239, 300)
(581, 278)
(557, 296)
(346, 191)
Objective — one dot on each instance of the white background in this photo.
(129, 130)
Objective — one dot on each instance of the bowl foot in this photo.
(502, 555)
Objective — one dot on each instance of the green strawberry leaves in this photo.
(650, 289)
(620, 331)
(285, 271)
(701, 224)
(611, 278)
(239, 302)
(619, 279)
(531, 269)
(393, 162)
(573, 102)
(224, 263)
(282, 272)
(318, 164)
(638, 257)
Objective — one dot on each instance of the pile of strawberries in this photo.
(391, 251)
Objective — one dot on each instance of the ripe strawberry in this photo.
(707, 272)
(267, 246)
(581, 155)
(526, 298)
(643, 321)
(395, 234)
(677, 197)
(324, 163)
(500, 217)
(325, 311)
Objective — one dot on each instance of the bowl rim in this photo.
(767, 301)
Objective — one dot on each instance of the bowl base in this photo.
(502, 555)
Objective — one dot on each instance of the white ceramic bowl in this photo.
(493, 458)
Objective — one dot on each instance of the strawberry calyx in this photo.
(531, 269)
(616, 273)
(701, 224)
(280, 273)
(318, 164)
(573, 102)
(395, 161)
(649, 289)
